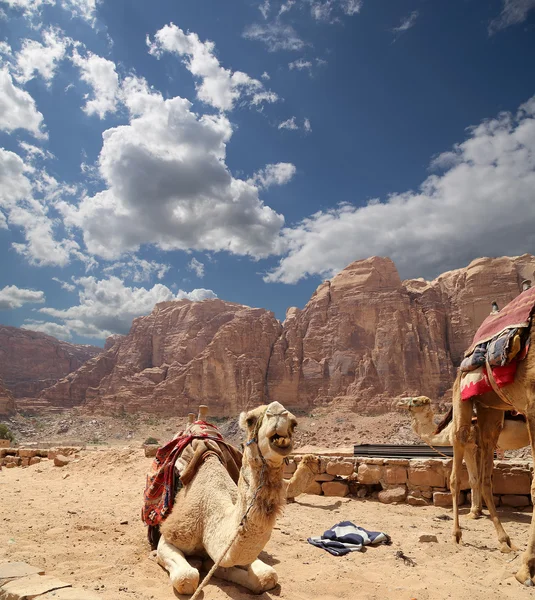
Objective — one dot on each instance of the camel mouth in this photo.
(281, 444)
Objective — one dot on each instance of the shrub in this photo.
(6, 433)
(151, 441)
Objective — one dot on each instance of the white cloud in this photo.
(406, 23)
(29, 8)
(14, 184)
(107, 306)
(264, 8)
(300, 64)
(138, 269)
(13, 297)
(197, 267)
(307, 126)
(288, 124)
(265, 76)
(219, 87)
(56, 330)
(513, 12)
(34, 57)
(276, 36)
(286, 7)
(84, 9)
(273, 174)
(167, 184)
(324, 10)
(32, 152)
(17, 108)
(482, 205)
(101, 74)
(64, 284)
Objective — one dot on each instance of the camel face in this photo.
(413, 404)
(272, 426)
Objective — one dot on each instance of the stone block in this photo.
(5, 443)
(515, 500)
(397, 462)
(27, 588)
(51, 454)
(428, 538)
(24, 462)
(442, 499)
(35, 460)
(416, 500)
(343, 468)
(150, 449)
(60, 460)
(314, 488)
(511, 482)
(13, 570)
(335, 488)
(391, 495)
(70, 594)
(324, 477)
(364, 460)
(395, 474)
(10, 465)
(27, 453)
(370, 474)
(427, 475)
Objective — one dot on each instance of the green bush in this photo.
(151, 441)
(6, 433)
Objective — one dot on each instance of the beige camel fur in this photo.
(490, 408)
(208, 510)
(514, 435)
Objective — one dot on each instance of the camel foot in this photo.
(507, 546)
(185, 583)
(457, 536)
(257, 577)
(523, 576)
(476, 514)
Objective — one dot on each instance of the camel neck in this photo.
(424, 426)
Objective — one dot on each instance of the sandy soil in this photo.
(81, 523)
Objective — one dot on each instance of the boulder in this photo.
(369, 474)
(391, 495)
(515, 500)
(395, 474)
(514, 481)
(341, 468)
(335, 488)
(427, 537)
(417, 500)
(61, 461)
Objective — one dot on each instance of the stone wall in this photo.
(25, 457)
(417, 482)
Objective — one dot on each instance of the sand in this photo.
(81, 523)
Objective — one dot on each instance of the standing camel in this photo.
(490, 407)
(513, 436)
(207, 518)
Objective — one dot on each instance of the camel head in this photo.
(271, 427)
(419, 403)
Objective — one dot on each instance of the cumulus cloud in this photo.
(14, 297)
(168, 185)
(406, 23)
(69, 287)
(56, 330)
(84, 9)
(107, 306)
(101, 75)
(29, 8)
(197, 267)
(17, 108)
(481, 205)
(513, 12)
(138, 269)
(273, 174)
(218, 87)
(41, 58)
(288, 124)
(276, 36)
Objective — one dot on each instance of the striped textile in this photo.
(345, 537)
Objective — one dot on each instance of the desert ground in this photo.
(82, 523)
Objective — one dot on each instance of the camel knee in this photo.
(185, 581)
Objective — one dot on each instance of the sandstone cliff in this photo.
(31, 361)
(364, 339)
(7, 404)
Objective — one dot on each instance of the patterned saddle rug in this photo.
(500, 343)
(175, 465)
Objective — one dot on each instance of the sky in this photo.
(248, 151)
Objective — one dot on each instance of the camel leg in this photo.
(184, 577)
(527, 571)
(257, 577)
(303, 477)
(490, 423)
(462, 427)
(472, 464)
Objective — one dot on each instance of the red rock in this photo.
(31, 361)
(60, 460)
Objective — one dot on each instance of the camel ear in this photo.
(246, 421)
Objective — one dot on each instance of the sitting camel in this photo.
(216, 519)
(490, 407)
(513, 436)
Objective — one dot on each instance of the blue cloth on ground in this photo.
(345, 537)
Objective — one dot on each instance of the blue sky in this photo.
(169, 149)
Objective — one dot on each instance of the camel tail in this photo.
(445, 421)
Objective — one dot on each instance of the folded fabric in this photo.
(345, 537)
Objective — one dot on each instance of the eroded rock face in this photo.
(364, 339)
(7, 403)
(181, 355)
(31, 361)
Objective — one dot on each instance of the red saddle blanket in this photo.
(515, 314)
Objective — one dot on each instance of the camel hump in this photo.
(445, 421)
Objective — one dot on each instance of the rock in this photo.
(515, 500)
(344, 468)
(335, 488)
(314, 488)
(60, 460)
(427, 537)
(12, 570)
(369, 474)
(70, 594)
(324, 477)
(394, 474)
(26, 588)
(150, 449)
(427, 474)
(513, 481)
(416, 500)
(31, 361)
(446, 499)
(27, 453)
(396, 494)
(35, 460)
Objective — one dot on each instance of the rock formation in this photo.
(31, 361)
(364, 339)
(7, 404)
